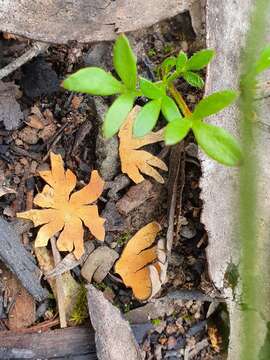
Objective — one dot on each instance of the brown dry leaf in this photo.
(64, 211)
(141, 264)
(35, 122)
(134, 161)
(10, 111)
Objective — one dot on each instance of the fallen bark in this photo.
(20, 261)
(114, 338)
(76, 343)
(91, 21)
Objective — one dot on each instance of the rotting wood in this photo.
(20, 261)
(70, 342)
(74, 343)
(91, 20)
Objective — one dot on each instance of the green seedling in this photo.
(162, 98)
(156, 322)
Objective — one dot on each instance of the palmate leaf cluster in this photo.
(127, 86)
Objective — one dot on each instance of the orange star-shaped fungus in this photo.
(134, 161)
(66, 211)
(142, 265)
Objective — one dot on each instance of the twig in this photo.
(57, 136)
(194, 295)
(59, 287)
(36, 49)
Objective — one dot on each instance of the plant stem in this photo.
(180, 101)
(250, 241)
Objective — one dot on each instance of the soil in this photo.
(66, 123)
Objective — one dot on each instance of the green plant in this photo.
(123, 238)
(80, 310)
(163, 98)
(156, 322)
(253, 234)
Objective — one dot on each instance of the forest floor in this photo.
(70, 124)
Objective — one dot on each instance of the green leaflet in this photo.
(217, 143)
(94, 81)
(176, 130)
(181, 61)
(125, 62)
(147, 118)
(263, 62)
(151, 90)
(170, 109)
(193, 79)
(200, 59)
(214, 103)
(117, 114)
(168, 64)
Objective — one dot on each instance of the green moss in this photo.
(151, 52)
(168, 48)
(156, 321)
(126, 308)
(80, 310)
(123, 239)
(101, 286)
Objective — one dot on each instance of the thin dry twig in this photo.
(37, 48)
(59, 286)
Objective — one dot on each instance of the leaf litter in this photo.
(10, 111)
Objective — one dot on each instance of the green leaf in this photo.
(181, 61)
(214, 103)
(200, 59)
(117, 114)
(147, 118)
(124, 61)
(151, 90)
(170, 109)
(94, 81)
(264, 60)
(168, 64)
(193, 79)
(217, 143)
(176, 130)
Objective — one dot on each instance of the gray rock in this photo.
(106, 149)
(114, 220)
(188, 231)
(100, 54)
(99, 263)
